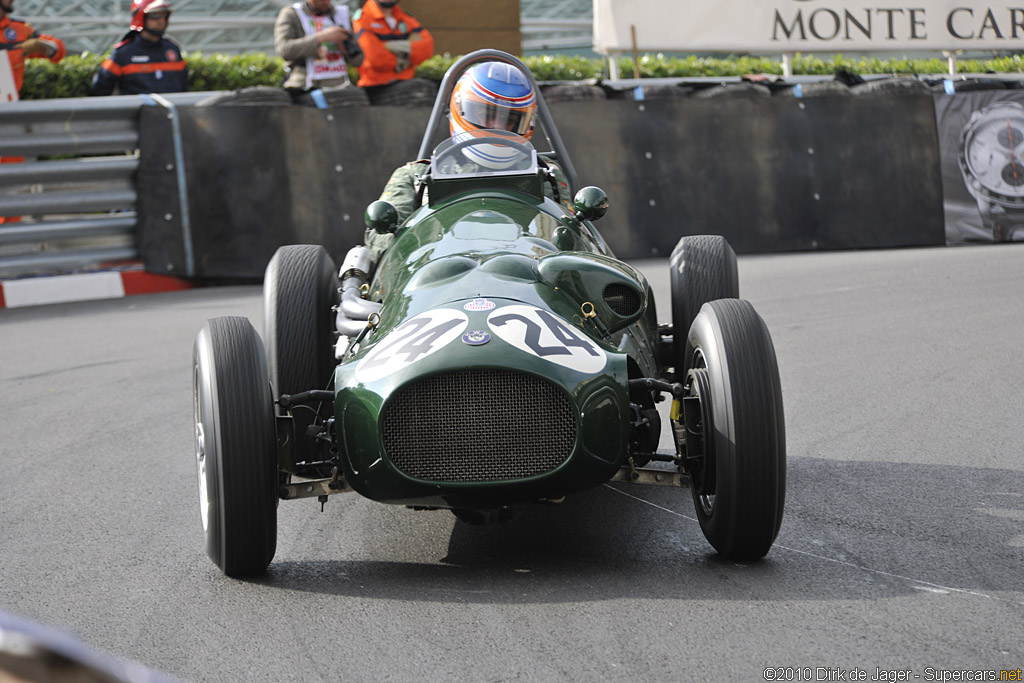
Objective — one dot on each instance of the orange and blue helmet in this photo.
(493, 95)
(140, 8)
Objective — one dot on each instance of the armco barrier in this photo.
(76, 187)
(215, 190)
(86, 204)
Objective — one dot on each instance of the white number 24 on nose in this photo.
(546, 336)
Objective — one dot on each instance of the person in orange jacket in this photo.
(393, 43)
(18, 42)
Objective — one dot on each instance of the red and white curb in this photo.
(108, 284)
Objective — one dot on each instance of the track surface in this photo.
(902, 545)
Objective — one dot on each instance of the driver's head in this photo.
(150, 15)
(319, 7)
(6, 7)
(493, 95)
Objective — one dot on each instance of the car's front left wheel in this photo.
(736, 443)
(702, 269)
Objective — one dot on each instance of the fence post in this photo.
(179, 166)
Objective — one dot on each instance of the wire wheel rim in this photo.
(705, 500)
(198, 406)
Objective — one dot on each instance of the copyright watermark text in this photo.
(830, 673)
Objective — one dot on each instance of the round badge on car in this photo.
(476, 337)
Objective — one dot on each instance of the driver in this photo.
(490, 95)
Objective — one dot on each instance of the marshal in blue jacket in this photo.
(137, 66)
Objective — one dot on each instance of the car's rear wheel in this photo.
(736, 444)
(703, 268)
(236, 450)
(299, 289)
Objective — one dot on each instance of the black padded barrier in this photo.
(770, 174)
(262, 177)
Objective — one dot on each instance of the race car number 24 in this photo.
(411, 341)
(546, 336)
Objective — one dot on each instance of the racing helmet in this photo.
(140, 8)
(492, 95)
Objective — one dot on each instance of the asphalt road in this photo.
(902, 546)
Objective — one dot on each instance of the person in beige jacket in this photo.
(314, 38)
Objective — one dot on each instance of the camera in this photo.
(352, 47)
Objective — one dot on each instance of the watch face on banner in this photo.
(992, 153)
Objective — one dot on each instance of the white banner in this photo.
(832, 26)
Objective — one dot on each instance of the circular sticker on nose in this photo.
(545, 335)
(476, 337)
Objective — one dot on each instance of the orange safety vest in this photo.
(13, 32)
(372, 31)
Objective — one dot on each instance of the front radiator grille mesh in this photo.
(478, 425)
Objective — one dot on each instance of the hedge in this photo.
(71, 78)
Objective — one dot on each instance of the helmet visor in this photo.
(486, 115)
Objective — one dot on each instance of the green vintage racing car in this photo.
(498, 355)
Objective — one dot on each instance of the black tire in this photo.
(703, 268)
(573, 92)
(891, 86)
(299, 288)
(740, 491)
(236, 446)
(733, 90)
(336, 97)
(414, 92)
(257, 95)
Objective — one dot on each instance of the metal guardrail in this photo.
(234, 33)
(75, 190)
(78, 209)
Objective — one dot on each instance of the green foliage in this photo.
(71, 78)
(222, 72)
(564, 68)
(435, 67)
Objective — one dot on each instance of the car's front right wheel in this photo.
(299, 289)
(236, 446)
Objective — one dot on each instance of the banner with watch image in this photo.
(981, 147)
